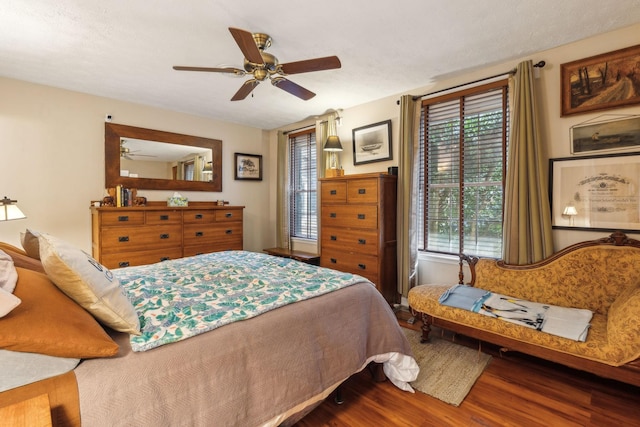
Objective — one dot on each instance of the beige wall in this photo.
(52, 159)
(555, 129)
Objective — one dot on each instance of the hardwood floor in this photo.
(515, 390)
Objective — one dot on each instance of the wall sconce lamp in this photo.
(9, 210)
(571, 212)
(208, 167)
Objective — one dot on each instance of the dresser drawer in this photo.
(227, 215)
(129, 259)
(363, 265)
(350, 216)
(163, 217)
(209, 234)
(122, 218)
(362, 191)
(141, 238)
(333, 192)
(351, 240)
(199, 217)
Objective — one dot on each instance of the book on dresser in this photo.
(128, 236)
(358, 228)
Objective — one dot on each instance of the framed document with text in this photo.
(596, 192)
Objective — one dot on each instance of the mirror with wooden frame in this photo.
(156, 160)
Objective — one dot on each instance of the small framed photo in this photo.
(248, 166)
(596, 192)
(372, 143)
(600, 82)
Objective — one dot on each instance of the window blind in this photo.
(463, 140)
(303, 185)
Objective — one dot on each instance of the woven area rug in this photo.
(447, 370)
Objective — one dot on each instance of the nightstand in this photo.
(308, 257)
(34, 412)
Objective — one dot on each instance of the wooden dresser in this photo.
(130, 236)
(358, 228)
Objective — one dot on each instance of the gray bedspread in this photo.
(245, 373)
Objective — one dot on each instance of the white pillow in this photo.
(88, 283)
(8, 302)
(8, 273)
(30, 243)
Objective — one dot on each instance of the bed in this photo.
(260, 359)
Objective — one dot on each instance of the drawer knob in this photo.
(228, 215)
(164, 236)
(362, 241)
(334, 238)
(199, 233)
(164, 217)
(198, 216)
(361, 216)
(333, 192)
(123, 264)
(228, 232)
(332, 215)
(333, 260)
(362, 266)
(362, 191)
(165, 258)
(123, 239)
(123, 218)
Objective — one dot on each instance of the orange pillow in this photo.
(49, 322)
(21, 259)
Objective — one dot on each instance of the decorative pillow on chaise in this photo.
(49, 322)
(88, 283)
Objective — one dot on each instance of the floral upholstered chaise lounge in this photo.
(602, 276)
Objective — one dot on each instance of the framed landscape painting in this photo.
(609, 80)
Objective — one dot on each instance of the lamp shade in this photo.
(208, 167)
(10, 211)
(333, 144)
(570, 210)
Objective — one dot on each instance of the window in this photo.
(463, 142)
(303, 183)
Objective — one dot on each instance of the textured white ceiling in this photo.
(125, 49)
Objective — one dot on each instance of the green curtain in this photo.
(407, 194)
(527, 233)
(283, 238)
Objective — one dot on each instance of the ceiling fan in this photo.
(126, 153)
(262, 65)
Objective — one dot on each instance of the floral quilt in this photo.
(181, 298)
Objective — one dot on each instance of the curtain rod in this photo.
(303, 127)
(540, 64)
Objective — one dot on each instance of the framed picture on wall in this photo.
(248, 166)
(601, 82)
(372, 143)
(606, 133)
(596, 192)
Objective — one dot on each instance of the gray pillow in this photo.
(20, 368)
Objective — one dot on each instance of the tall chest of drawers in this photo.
(358, 228)
(123, 237)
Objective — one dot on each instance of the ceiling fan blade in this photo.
(229, 70)
(292, 88)
(317, 64)
(245, 90)
(247, 45)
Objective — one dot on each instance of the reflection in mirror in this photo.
(153, 159)
(156, 160)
